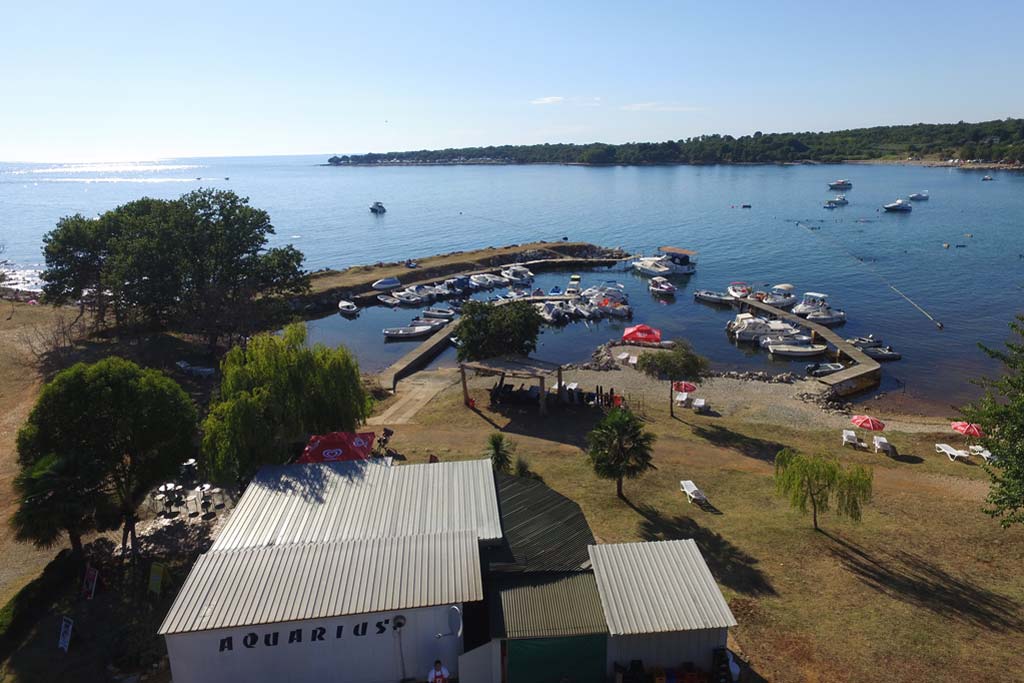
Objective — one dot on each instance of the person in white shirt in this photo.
(439, 674)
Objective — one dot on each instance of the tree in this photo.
(277, 391)
(820, 481)
(76, 252)
(486, 330)
(678, 363)
(130, 426)
(500, 451)
(619, 447)
(1000, 412)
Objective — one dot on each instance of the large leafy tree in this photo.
(111, 428)
(76, 254)
(821, 482)
(276, 391)
(680, 362)
(486, 330)
(620, 448)
(1000, 412)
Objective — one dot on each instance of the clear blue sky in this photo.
(118, 81)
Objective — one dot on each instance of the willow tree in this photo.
(821, 482)
(277, 391)
(620, 448)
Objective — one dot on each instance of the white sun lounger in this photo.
(622, 357)
(632, 361)
(984, 453)
(850, 438)
(951, 453)
(882, 444)
(700, 405)
(692, 492)
(682, 398)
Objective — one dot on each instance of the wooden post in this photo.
(465, 387)
(671, 400)
(561, 386)
(543, 398)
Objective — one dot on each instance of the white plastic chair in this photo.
(692, 492)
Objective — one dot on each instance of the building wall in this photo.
(482, 664)
(357, 649)
(666, 650)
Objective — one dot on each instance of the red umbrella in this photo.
(642, 333)
(867, 422)
(684, 386)
(967, 429)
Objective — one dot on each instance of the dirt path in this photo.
(413, 394)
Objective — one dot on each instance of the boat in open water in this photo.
(842, 184)
(899, 206)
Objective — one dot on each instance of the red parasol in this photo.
(684, 386)
(967, 429)
(642, 333)
(867, 422)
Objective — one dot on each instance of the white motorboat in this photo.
(610, 289)
(347, 307)
(517, 274)
(499, 281)
(746, 327)
(386, 283)
(377, 207)
(812, 301)
(986, 178)
(481, 281)
(442, 313)
(797, 350)
(918, 196)
(708, 296)
(388, 300)
(551, 312)
(865, 342)
(899, 206)
(794, 339)
(823, 369)
(670, 261)
(614, 309)
(738, 290)
(842, 184)
(428, 322)
(780, 296)
(424, 292)
(659, 286)
(881, 353)
(408, 298)
(585, 310)
(408, 332)
(828, 317)
(840, 200)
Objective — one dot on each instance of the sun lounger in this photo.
(882, 444)
(632, 361)
(573, 386)
(983, 453)
(682, 398)
(850, 439)
(700, 405)
(951, 453)
(692, 492)
(622, 357)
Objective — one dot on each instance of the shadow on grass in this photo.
(750, 446)
(730, 565)
(908, 458)
(563, 424)
(913, 579)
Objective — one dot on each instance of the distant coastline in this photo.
(926, 163)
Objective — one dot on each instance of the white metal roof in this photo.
(252, 586)
(323, 502)
(657, 587)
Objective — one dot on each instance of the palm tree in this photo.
(500, 450)
(619, 447)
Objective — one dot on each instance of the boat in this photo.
(517, 274)
(823, 369)
(555, 291)
(425, 292)
(794, 339)
(864, 342)
(609, 289)
(708, 296)
(812, 301)
(840, 200)
(842, 184)
(659, 286)
(670, 261)
(747, 327)
(481, 281)
(408, 332)
(347, 307)
(918, 196)
(408, 298)
(386, 283)
(551, 312)
(899, 206)
(986, 177)
(881, 353)
(827, 316)
(780, 296)
(443, 313)
(738, 290)
(377, 207)
(585, 310)
(388, 300)
(797, 350)
(744, 206)
(498, 280)
(428, 322)
(614, 309)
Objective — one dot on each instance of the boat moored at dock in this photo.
(670, 261)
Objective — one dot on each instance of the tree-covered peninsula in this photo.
(990, 141)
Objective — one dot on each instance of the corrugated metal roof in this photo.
(658, 587)
(546, 606)
(544, 530)
(324, 502)
(230, 588)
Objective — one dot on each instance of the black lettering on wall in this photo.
(226, 644)
(380, 626)
(295, 636)
(360, 629)
(317, 633)
(250, 640)
(341, 629)
(270, 639)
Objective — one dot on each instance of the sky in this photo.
(127, 81)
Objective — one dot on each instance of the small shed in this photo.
(516, 367)
(661, 603)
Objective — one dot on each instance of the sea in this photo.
(957, 258)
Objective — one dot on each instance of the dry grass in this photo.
(926, 587)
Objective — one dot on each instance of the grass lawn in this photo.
(926, 587)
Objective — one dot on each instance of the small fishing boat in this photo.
(609, 289)
(481, 281)
(575, 285)
(865, 342)
(797, 350)
(744, 206)
(585, 311)
(442, 313)
(738, 290)
(671, 261)
(829, 317)
(347, 307)
(840, 200)
(428, 322)
(551, 312)
(377, 207)
(408, 332)
(659, 286)
(498, 281)
(842, 184)
(746, 327)
(517, 274)
(710, 297)
(386, 283)
(794, 339)
(780, 296)
(882, 353)
(898, 206)
(812, 301)
(614, 309)
(408, 298)
(823, 369)
(986, 177)
(555, 291)
(918, 196)
(424, 292)
(388, 300)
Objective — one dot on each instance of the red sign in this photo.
(338, 447)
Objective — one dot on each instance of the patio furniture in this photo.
(632, 361)
(983, 453)
(700, 406)
(622, 357)
(882, 444)
(692, 492)
(850, 438)
(682, 399)
(952, 453)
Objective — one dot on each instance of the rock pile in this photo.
(756, 376)
(827, 402)
(601, 360)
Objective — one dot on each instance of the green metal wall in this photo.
(547, 660)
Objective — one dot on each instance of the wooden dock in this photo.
(863, 374)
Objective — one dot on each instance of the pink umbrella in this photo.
(967, 429)
(684, 386)
(867, 422)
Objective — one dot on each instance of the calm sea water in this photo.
(853, 253)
